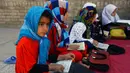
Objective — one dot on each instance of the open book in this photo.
(66, 64)
(124, 21)
(81, 46)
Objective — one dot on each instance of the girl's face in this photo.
(92, 19)
(114, 12)
(66, 16)
(43, 26)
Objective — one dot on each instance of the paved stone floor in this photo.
(8, 37)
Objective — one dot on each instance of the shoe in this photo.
(115, 50)
(10, 60)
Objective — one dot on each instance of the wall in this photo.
(12, 12)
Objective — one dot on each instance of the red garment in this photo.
(27, 55)
(53, 37)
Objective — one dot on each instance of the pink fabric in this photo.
(120, 63)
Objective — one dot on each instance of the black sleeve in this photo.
(39, 68)
(52, 58)
(107, 26)
(113, 24)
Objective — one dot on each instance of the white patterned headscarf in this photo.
(77, 31)
(106, 14)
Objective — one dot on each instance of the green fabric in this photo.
(85, 15)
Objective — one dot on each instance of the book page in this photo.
(81, 46)
(103, 46)
(124, 21)
(66, 64)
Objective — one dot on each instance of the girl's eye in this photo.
(47, 24)
(44, 24)
(41, 24)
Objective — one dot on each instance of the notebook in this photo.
(124, 21)
(81, 46)
(66, 64)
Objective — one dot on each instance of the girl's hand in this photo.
(95, 43)
(56, 67)
(67, 56)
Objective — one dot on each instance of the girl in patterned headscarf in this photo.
(87, 16)
(57, 34)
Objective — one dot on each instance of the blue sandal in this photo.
(10, 60)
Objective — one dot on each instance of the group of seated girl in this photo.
(43, 39)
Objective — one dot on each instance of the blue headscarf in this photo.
(30, 28)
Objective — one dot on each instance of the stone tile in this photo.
(7, 68)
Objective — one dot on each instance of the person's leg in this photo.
(78, 68)
(112, 49)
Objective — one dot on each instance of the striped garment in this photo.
(59, 9)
